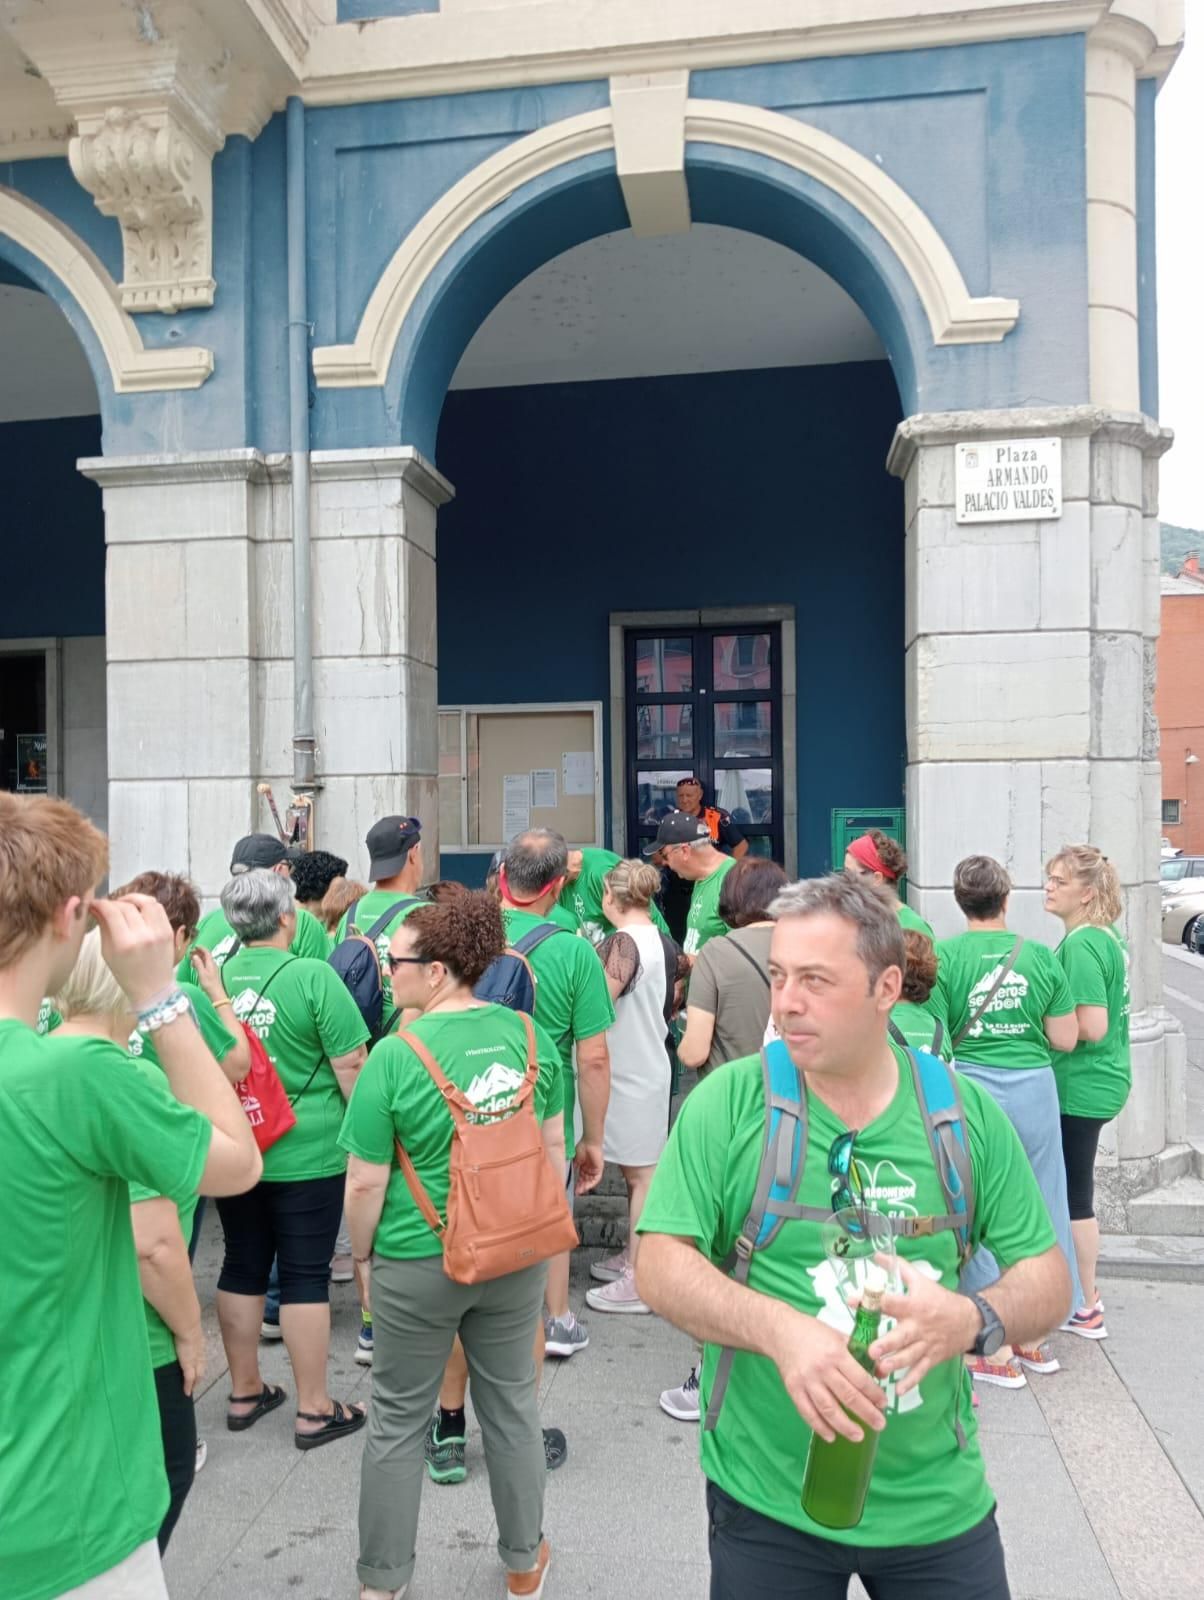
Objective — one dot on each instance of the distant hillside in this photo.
(1176, 542)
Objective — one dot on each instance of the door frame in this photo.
(50, 650)
(704, 617)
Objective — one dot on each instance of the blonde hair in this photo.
(49, 853)
(91, 990)
(338, 899)
(1091, 867)
(633, 884)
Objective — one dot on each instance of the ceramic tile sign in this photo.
(1008, 480)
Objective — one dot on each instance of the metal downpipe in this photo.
(305, 778)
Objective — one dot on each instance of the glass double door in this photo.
(706, 703)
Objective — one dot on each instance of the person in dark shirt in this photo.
(726, 836)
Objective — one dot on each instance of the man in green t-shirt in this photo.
(258, 851)
(82, 1481)
(836, 963)
(579, 908)
(395, 872)
(684, 845)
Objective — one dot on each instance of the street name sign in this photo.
(1008, 480)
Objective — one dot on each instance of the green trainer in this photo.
(444, 1457)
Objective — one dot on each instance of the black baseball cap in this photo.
(389, 842)
(258, 850)
(677, 827)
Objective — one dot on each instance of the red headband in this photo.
(866, 851)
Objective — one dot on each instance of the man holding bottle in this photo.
(928, 1525)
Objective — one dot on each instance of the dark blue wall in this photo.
(52, 534)
(576, 500)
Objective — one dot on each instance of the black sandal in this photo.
(267, 1400)
(340, 1421)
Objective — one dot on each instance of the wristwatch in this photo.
(991, 1335)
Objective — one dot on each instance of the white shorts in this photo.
(138, 1577)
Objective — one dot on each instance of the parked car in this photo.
(1169, 849)
(1183, 916)
(1174, 872)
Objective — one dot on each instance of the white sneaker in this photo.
(621, 1295)
(202, 1455)
(682, 1402)
(611, 1267)
(564, 1336)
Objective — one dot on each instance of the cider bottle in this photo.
(837, 1476)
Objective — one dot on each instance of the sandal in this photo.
(267, 1400)
(342, 1419)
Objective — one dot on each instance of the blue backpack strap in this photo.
(780, 1173)
(945, 1123)
(349, 917)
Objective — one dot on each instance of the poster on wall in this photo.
(31, 763)
(578, 769)
(516, 804)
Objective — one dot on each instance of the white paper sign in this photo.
(516, 804)
(1008, 480)
(578, 772)
(543, 786)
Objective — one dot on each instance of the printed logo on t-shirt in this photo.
(887, 1189)
(223, 948)
(691, 942)
(494, 1088)
(836, 1283)
(135, 1045)
(1010, 996)
(249, 1008)
(45, 1012)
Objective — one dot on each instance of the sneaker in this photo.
(342, 1270)
(555, 1449)
(564, 1336)
(1087, 1324)
(1005, 1374)
(529, 1585)
(444, 1457)
(682, 1402)
(1037, 1358)
(202, 1455)
(611, 1267)
(270, 1329)
(619, 1295)
(363, 1345)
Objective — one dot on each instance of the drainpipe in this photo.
(305, 778)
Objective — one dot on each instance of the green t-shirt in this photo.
(306, 1017)
(912, 919)
(82, 1482)
(484, 1053)
(571, 998)
(1094, 1079)
(703, 921)
(158, 1334)
(580, 906)
(1010, 1032)
(215, 933)
(924, 1488)
(209, 1023)
(48, 1018)
(918, 1025)
(371, 907)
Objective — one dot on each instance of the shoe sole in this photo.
(1085, 1333)
(1044, 1367)
(446, 1475)
(363, 1358)
(275, 1333)
(679, 1415)
(601, 1274)
(565, 1350)
(531, 1594)
(1000, 1383)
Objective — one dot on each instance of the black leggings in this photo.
(297, 1224)
(755, 1558)
(1080, 1141)
(177, 1423)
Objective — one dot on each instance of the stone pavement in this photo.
(1099, 1472)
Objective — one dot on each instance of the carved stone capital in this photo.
(151, 168)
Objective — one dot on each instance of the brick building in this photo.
(1179, 705)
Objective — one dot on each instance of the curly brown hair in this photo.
(338, 899)
(890, 852)
(464, 932)
(175, 893)
(919, 971)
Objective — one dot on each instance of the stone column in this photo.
(1029, 671)
(199, 646)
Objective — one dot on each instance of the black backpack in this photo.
(357, 963)
(510, 979)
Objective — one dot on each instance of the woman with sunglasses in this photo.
(436, 957)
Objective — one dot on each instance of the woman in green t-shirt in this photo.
(1083, 889)
(876, 855)
(915, 1023)
(437, 956)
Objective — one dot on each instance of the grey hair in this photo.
(879, 934)
(255, 901)
(534, 858)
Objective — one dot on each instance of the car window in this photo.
(1197, 867)
(1174, 869)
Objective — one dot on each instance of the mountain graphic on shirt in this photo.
(249, 1008)
(495, 1087)
(1010, 996)
(223, 948)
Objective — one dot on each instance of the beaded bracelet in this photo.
(164, 1012)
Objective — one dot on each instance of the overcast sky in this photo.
(1181, 280)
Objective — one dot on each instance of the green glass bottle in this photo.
(837, 1477)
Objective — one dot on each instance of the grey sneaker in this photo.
(682, 1402)
(564, 1336)
(555, 1449)
(444, 1457)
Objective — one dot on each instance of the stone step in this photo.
(1173, 1209)
(1173, 1258)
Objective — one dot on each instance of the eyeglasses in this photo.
(404, 961)
(850, 1192)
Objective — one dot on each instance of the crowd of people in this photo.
(320, 1056)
